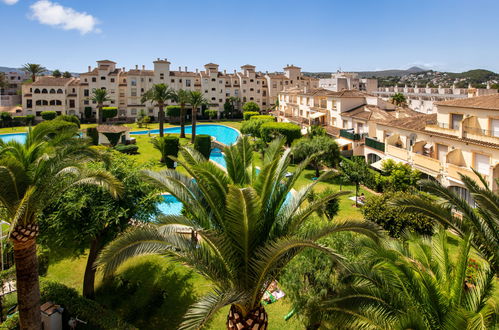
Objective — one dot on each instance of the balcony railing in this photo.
(375, 144)
(349, 134)
(479, 131)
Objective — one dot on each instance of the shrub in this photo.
(251, 106)
(378, 210)
(202, 143)
(93, 135)
(109, 112)
(264, 118)
(324, 148)
(168, 146)
(86, 309)
(57, 124)
(69, 118)
(173, 111)
(88, 112)
(271, 130)
(211, 113)
(5, 118)
(248, 114)
(19, 120)
(252, 126)
(130, 149)
(328, 210)
(398, 176)
(48, 115)
(30, 120)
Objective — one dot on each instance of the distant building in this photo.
(422, 99)
(11, 95)
(348, 80)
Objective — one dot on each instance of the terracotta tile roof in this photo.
(51, 81)
(112, 129)
(94, 72)
(291, 67)
(372, 112)
(490, 102)
(115, 72)
(467, 140)
(277, 76)
(211, 64)
(249, 66)
(415, 123)
(183, 74)
(106, 61)
(334, 131)
(12, 110)
(140, 73)
(75, 82)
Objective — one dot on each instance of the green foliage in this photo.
(398, 99)
(142, 118)
(75, 305)
(114, 138)
(168, 146)
(398, 176)
(93, 135)
(211, 113)
(30, 120)
(251, 107)
(248, 114)
(57, 125)
(11, 323)
(66, 74)
(69, 118)
(88, 112)
(130, 149)
(325, 151)
(355, 171)
(48, 115)
(272, 130)
(316, 130)
(202, 143)
(173, 111)
(329, 209)
(56, 73)
(265, 118)
(393, 219)
(109, 112)
(252, 126)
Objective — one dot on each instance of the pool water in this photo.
(170, 205)
(217, 156)
(223, 134)
(19, 137)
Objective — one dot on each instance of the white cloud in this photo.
(51, 13)
(10, 2)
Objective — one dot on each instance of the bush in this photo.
(109, 112)
(48, 115)
(86, 309)
(57, 125)
(248, 114)
(378, 210)
(168, 145)
(251, 106)
(202, 143)
(19, 121)
(264, 118)
(173, 111)
(70, 119)
(211, 113)
(30, 120)
(271, 130)
(130, 149)
(252, 126)
(328, 210)
(93, 135)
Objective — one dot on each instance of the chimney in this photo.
(225, 71)
(158, 59)
(143, 67)
(89, 68)
(197, 70)
(185, 69)
(123, 68)
(180, 68)
(136, 67)
(235, 71)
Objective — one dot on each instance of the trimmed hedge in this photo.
(271, 130)
(30, 120)
(48, 115)
(264, 118)
(248, 114)
(130, 149)
(109, 112)
(251, 106)
(211, 113)
(173, 111)
(171, 148)
(202, 143)
(93, 135)
(252, 126)
(70, 119)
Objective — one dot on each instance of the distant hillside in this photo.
(48, 72)
(390, 73)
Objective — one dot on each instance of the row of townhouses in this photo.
(126, 87)
(462, 134)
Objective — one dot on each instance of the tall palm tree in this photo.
(182, 98)
(159, 94)
(32, 175)
(196, 99)
(100, 96)
(240, 230)
(415, 285)
(456, 213)
(33, 70)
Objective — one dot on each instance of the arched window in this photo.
(52, 91)
(52, 102)
(37, 91)
(44, 102)
(372, 158)
(103, 88)
(58, 102)
(59, 91)
(38, 102)
(44, 91)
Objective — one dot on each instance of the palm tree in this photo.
(33, 70)
(100, 96)
(196, 100)
(66, 74)
(354, 171)
(56, 73)
(234, 101)
(415, 285)
(240, 230)
(182, 98)
(33, 175)
(456, 213)
(398, 99)
(159, 94)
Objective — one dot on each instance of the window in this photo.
(187, 83)
(52, 102)
(86, 102)
(133, 92)
(94, 79)
(111, 91)
(133, 112)
(180, 81)
(86, 92)
(442, 151)
(219, 81)
(59, 91)
(29, 104)
(213, 98)
(494, 127)
(102, 78)
(252, 89)
(244, 81)
(482, 164)
(112, 79)
(44, 91)
(251, 80)
(172, 81)
(52, 91)
(133, 82)
(464, 194)
(213, 79)
(161, 76)
(71, 103)
(150, 79)
(456, 121)
(37, 91)
(141, 79)
(86, 80)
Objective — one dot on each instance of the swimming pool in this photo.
(223, 134)
(19, 137)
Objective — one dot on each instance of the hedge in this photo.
(264, 118)
(48, 115)
(93, 135)
(251, 106)
(248, 114)
(202, 143)
(271, 130)
(88, 112)
(130, 149)
(171, 148)
(173, 111)
(109, 112)
(69, 118)
(30, 120)
(57, 125)
(211, 113)
(252, 126)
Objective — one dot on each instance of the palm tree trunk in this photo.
(257, 319)
(161, 117)
(28, 287)
(33, 77)
(89, 276)
(182, 121)
(99, 114)
(194, 118)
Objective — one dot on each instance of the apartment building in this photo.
(125, 88)
(422, 99)
(10, 96)
(461, 135)
(348, 80)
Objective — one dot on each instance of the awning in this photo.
(342, 142)
(455, 181)
(317, 115)
(378, 165)
(428, 146)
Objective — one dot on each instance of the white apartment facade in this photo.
(348, 80)
(10, 96)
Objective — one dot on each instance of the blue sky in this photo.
(316, 35)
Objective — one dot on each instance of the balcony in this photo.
(375, 144)
(476, 133)
(396, 152)
(453, 171)
(349, 134)
(426, 163)
(443, 128)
